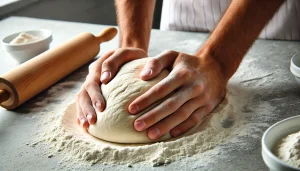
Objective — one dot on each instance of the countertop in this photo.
(282, 93)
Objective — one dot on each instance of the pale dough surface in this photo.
(115, 124)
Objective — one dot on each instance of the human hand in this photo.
(102, 70)
(198, 86)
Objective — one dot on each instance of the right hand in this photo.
(102, 70)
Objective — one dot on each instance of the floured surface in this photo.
(270, 99)
(230, 126)
(217, 128)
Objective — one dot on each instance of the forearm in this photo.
(237, 30)
(135, 22)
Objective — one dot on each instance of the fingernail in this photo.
(154, 133)
(146, 72)
(105, 75)
(98, 106)
(176, 132)
(89, 118)
(140, 125)
(134, 109)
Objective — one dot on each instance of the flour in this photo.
(288, 149)
(23, 38)
(229, 125)
(221, 125)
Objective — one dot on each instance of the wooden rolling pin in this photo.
(32, 77)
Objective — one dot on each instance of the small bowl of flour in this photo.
(281, 145)
(25, 45)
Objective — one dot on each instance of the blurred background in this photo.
(84, 11)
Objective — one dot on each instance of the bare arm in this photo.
(237, 30)
(200, 80)
(135, 22)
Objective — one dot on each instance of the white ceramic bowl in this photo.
(276, 132)
(295, 67)
(26, 51)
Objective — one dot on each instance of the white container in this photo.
(295, 67)
(26, 51)
(272, 135)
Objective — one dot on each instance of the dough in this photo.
(115, 124)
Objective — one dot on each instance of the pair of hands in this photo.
(197, 82)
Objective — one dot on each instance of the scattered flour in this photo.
(288, 149)
(230, 124)
(221, 124)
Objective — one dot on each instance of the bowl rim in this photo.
(21, 47)
(267, 150)
(294, 67)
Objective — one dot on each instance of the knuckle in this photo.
(94, 67)
(209, 107)
(195, 119)
(184, 73)
(197, 88)
(124, 51)
(171, 104)
(205, 97)
(88, 110)
(80, 94)
(185, 114)
(155, 63)
(108, 64)
(119, 50)
(158, 89)
(91, 67)
(168, 51)
(88, 85)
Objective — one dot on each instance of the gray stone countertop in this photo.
(18, 127)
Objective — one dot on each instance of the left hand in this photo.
(198, 86)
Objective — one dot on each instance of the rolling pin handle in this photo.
(4, 95)
(107, 34)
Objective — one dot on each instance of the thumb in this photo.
(156, 64)
(111, 65)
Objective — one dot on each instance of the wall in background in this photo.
(85, 11)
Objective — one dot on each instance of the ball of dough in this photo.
(115, 123)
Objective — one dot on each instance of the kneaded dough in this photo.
(115, 123)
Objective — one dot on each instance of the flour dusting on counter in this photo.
(229, 125)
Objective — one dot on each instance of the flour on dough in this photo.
(115, 124)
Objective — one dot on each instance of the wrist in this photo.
(130, 41)
(207, 55)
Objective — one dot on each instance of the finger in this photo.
(111, 65)
(166, 86)
(167, 107)
(179, 116)
(155, 64)
(87, 108)
(94, 92)
(81, 119)
(95, 67)
(195, 118)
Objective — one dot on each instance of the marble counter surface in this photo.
(282, 93)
